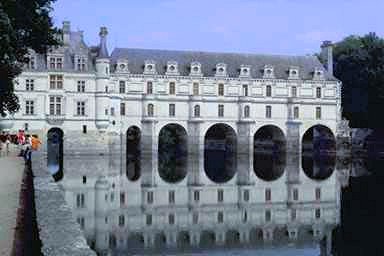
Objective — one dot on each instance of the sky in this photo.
(289, 27)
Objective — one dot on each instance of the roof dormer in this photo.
(318, 73)
(196, 69)
(150, 67)
(172, 68)
(293, 72)
(122, 66)
(268, 71)
(221, 69)
(245, 71)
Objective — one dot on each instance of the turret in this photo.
(102, 81)
(327, 55)
(101, 214)
(66, 32)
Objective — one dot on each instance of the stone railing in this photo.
(58, 231)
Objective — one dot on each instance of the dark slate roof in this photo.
(208, 61)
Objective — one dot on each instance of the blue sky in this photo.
(293, 27)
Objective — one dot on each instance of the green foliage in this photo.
(24, 24)
(359, 64)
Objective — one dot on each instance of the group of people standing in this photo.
(26, 143)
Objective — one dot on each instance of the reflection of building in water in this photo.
(116, 213)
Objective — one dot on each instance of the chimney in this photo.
(103, 51)
(66, 32)
(326, 54)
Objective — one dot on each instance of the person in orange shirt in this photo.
(35, 142)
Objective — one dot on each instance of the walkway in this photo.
(11, 173)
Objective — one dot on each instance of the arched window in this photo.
(269, 91)
(150, 110)
(246, 111)
(196, 111)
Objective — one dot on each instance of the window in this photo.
(122, 198)
(268, 215)
(196, 111)
(148, 219)
(269, 91)
(296, 112)
(317, 213)
(150, 197)
(221, 110)
(245, 90)
(267, 194)
(112, 111)
(295, 194)
(171, 219)
(55, 105)
(171, 109)
(81, 86)
(246, 195)
(195, 218)
(171, 197)
(245, 217)
(81, 63)
(195, 89)
(149, 87)
(294, 91)
(246, 111)
(80, 201)
(106, 89)
(172, 88)
(55, 62)
(121, 221)
(81, 108)
(150, 110)
(26, 126)
(318, 92)
(56, 81)
(268, 111)
(122, 109)
(29, 107)
(112, 197)
(81, 222)
(293, 214)
(318, 193)
(84, 129)
(220, 217)
(106, 220)
(106, 111)
(221, 89)
(220, 195)
(318, 112)
(29, 85)
(196, 195)
(122, 86)
(32, 62)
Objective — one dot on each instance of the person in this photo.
(21, 141)
(35, 142)
(7, 142)
(27, 147)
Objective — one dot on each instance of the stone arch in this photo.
(133, 153)
(232, 237)
(135, 241)
(255, 235)
(172, 153)
(207, 238)
(55, 152)
(160, 240)
(318, 152)
(220, 145)
(183, 239)
(269, 152)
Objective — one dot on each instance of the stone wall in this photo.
(58, 230)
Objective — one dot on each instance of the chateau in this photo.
(224, 111)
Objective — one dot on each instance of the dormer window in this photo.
(293, 73)
(55, 62)
(122, 66)
(318, 74)
(221, 69)
(150, 67)
(268, 71)
(245, 71)
(172, 68)
(81, 63)
(195, 69)
(31, 62)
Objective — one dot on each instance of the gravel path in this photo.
(11, 173)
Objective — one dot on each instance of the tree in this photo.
(359, 64)
(24, 25)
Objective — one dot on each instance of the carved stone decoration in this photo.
(221, 70)
(318, 74)
(293, 72)
(150, 67)
(343, 128)
(268, 72)
(196, 69)
(245, 71)
(122, 66)
(172, 68)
